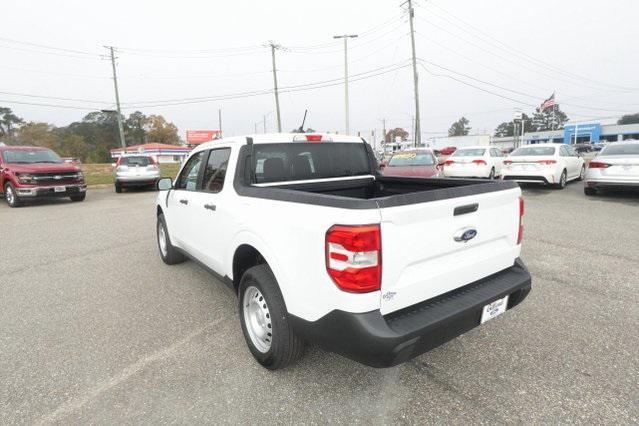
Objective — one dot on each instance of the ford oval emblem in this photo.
(465, 234)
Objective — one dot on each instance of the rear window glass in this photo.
(469, 153)
(136, 161)
(280, 162)
(631, 149)
(534, 150)
(412, 159)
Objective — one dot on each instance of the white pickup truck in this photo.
(321, 248)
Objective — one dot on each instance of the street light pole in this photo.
(346, 103)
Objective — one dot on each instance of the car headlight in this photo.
(26, 178)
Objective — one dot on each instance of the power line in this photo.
(45, 46)
(49, 53)
(6, 101)
(264, 92)
(510, 49)
(56, 98)
(476, 87)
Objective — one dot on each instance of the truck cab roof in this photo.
(262, 138)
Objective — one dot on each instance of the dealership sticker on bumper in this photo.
(494, 309)
(60, 189)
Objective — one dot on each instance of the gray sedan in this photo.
(616, 166)
(135, 171)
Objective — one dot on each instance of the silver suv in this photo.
(135, 171)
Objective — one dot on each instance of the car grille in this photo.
(55, 178)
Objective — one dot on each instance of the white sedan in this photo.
(617, 166)
(474, 162)
(549, 164)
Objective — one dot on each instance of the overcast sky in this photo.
(584, 50)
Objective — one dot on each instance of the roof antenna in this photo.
(301, 129)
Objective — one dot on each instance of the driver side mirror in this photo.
(165, 184)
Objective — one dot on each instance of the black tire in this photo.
(11, 197)
(562, 180)
(170, 255)
(285, 346)
(78, 197)
(491, 176)
(118, 188)
(582, 173)
(590, 191)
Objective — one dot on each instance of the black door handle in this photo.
(184, 201)
(209, 207)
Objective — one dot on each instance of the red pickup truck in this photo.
(28, 172)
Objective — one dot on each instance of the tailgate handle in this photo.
(469, 208)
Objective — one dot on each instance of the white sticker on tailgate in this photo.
(494, 309)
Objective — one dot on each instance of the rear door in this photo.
(210, 210)
(428, 248)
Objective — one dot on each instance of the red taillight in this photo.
(354, 257)
(547, 162)
(508, 162)
(520, 234)
(448, 163)
(479, 162)
(314, 138)
(598, 165)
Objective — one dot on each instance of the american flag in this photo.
(550, 102)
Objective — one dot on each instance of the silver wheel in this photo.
(257, 319)
(563, 178)
(162, 240)
(9, 195)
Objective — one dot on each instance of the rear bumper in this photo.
(136, 180)
(49, 191)
(385, 341)
(612, 183)
(546, 180)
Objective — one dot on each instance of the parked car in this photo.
(28, 172)
(615, 167)
(548, 164)
(583, 148)
(448, 150)
(135, 171)
(419, 162)
(474, 161)
(297, 226)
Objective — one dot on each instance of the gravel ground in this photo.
(96, 329)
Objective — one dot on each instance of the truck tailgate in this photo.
(425, 252)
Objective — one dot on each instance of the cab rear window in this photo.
(282, 162)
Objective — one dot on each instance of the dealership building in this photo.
(586, 133)
(159, 152)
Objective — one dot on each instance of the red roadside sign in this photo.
(201, 136)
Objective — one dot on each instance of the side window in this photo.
(190, 172)
(215, 170)
(572, 152)
(563, 152)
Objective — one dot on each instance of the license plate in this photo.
(60, 189)
(494, 309)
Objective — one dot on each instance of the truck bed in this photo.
(378, 191)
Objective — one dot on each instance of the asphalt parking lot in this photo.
(96, 329)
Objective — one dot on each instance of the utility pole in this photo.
(418, 130)
(219, 120)
(346, 103)
(117, 100)
(264, 120)
(383, 132)
(277, 98)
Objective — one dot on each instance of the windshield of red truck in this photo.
(281, 162)
(31, 157)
